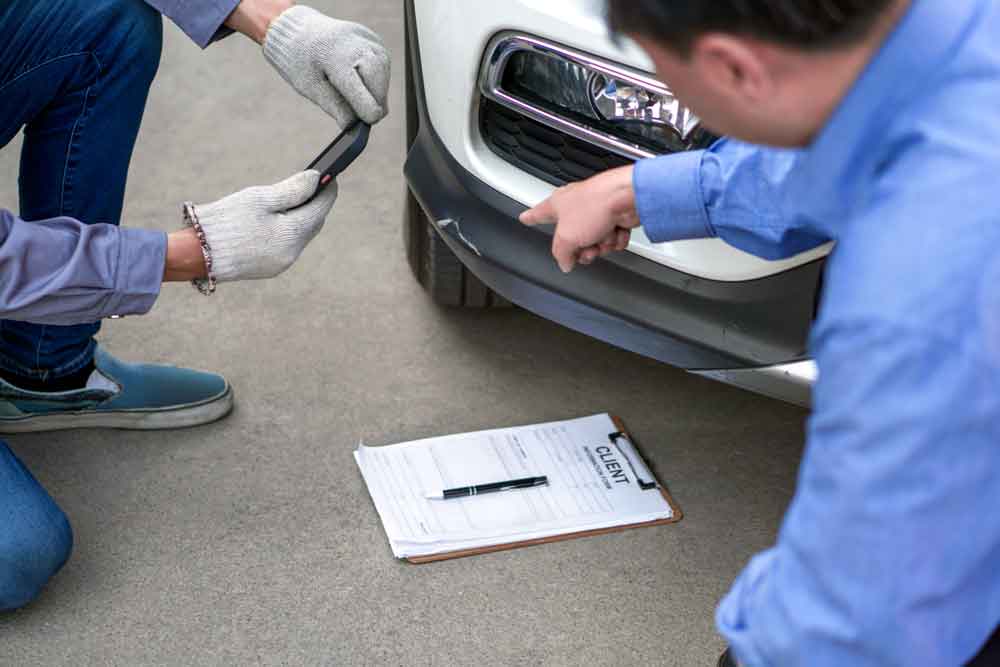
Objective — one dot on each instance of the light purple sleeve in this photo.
(61, 271)
(201, 20)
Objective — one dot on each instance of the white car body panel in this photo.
(453, 36)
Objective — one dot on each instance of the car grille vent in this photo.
(540, 150)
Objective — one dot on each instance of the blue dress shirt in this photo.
(61, 271)
(889, 554)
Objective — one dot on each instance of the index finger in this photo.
(543, 214)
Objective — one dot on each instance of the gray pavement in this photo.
(253, 541)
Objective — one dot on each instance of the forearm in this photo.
(61, 271)
(734, 191)
(201, 20)
(208, 20)
(253, 17)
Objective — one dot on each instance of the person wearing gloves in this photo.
(874, 123)
(75, 75)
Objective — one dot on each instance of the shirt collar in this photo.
(834, 166)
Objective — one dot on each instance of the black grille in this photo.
(538, 149)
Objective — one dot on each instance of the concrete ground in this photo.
(253, 541)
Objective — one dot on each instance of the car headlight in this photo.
(590, 94)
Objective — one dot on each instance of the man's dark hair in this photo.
(805, 24)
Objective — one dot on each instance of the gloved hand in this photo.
(260, 232)
(341, 66)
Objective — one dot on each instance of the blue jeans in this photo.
(35, 538)
(75, 74)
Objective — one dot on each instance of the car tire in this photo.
(433, 263)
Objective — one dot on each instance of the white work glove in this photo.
(341, 66)
(260, 232)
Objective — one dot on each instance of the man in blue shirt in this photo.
(75, 75)
(883, 118)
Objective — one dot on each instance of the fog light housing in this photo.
(626, 112)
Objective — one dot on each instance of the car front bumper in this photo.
(626, 300)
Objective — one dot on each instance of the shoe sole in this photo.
(194, 414)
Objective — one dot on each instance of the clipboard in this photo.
(659, 486)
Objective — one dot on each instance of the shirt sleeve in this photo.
(733, 191)
(888, 553)
(61, 271)
(201, 20)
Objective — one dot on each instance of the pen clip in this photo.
(636, 465)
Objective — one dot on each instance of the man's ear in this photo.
(733, 67)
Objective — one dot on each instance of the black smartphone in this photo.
(341, 153)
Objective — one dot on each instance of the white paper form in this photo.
(592, 484)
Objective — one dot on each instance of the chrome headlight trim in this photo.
(506, 45)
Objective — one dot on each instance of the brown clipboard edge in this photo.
(675, 508)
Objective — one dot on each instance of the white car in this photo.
(508, 100)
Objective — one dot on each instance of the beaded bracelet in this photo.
(204, 285)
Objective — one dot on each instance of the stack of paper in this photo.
(594, 483)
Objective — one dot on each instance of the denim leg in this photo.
(75, 74)
(35, 536)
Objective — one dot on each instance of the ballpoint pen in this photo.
(494, 487)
